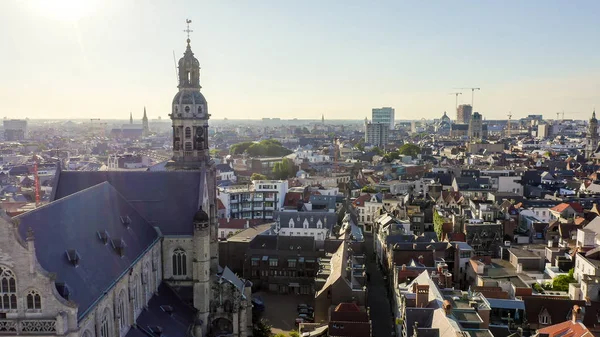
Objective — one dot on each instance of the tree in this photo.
(360, 145)
(409, 149)
(258, 176)
(378, 151)
(294, 334)
(262, 329)
(284, 169)
(368, 189)
(267, 147)
(561, 282)
(438, 223)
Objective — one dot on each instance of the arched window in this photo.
(200, 109)
(121, 310)
(188, 132)
(34, 300)
(179, 262)
(105, 324)
(139, 296)
(134, 294)
(8, 290)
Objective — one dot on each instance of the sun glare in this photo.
(64, 10)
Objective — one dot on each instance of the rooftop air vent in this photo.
(103, 236)
(119, 246)
(73, 256)
(125, 220)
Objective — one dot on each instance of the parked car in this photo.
(305, 311)
(258, 304)
(306, 318)
(304, 306)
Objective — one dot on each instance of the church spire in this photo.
(145, 117)
(130, 117)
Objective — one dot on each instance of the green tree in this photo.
(368, 189)
(284, 169)
(262, 329)
(268, 147)
(561, 282)
(360, 145)
(378, 151)
(438, 223)
(409, 149)
(258, 176)
(294, 334)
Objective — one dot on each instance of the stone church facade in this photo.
(127, 253)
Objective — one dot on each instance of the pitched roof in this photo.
(568, 328)
(176, 323)
(534, 305)
(360, 201)
(167, 199)
(74, 223)
(560, 207)
(312, 219)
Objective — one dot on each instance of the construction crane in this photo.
(508, 126)
(472, 95)
(456, 94)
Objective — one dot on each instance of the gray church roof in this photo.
(165, 310)
(91, 226)
(167, 199)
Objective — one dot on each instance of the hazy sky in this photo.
(284, 58)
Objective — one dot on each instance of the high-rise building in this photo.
(463, 113)
(384, 115)
(376, 134)
(15, 129)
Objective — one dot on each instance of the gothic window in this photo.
(8, 289)
(34, 300)
(179, 262)
(105, 324)
(188, 146)
(121, 310)
(139, 296)
(188, 132)
(134, 293)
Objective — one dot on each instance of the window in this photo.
(121, 311)
(179, 262)
(8, 289)
(133, 292)
(188, 146)
(544, 319)
(254, 262)
(188, 132)
(273, 262)
(291, 263)
(200, 109)
(34, 300)
(105, 324)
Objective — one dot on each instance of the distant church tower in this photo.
(145, 123)
(130, 117)
(591, 142)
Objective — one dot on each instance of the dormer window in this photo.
(73, 257)
(544, 319)
(119, 246)
(305, 224)
(103, 236)
(125, 220)
(291, 223)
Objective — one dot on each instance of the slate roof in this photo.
(177, 323)
(167, 199)
(558, 309)
(73, 222)
(328, 219)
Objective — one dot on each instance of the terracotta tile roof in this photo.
(566, 329)
(560, 207)
(577, 207)
(220, 205)
(360, 201)
(580, 220)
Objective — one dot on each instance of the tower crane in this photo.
(472, 95)
(456, 94)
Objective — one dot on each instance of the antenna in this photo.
(175, 63)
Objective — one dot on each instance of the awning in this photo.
(301, 259)
(310, 260)
(291, 260)
(273, 259)
(265, 258)
(294, 284)
(255, 258)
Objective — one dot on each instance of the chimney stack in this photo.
(422, 298)
(575, 313)
(421, 259)
(447, 307)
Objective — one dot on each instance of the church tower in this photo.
(591, 142)
(189, 115)
(145, 123)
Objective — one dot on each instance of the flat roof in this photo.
(521, 253)
(250, 233)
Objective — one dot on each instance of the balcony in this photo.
(28, 327)
(234, 201)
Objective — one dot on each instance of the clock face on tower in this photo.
(187, 108)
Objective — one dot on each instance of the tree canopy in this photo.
(284, 169)
(262, 329)
(258, 176)
(268, 148)
(409, 149)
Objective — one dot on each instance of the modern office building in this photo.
(463, 113)
(384, 115)
(376, 133)
(256, 201)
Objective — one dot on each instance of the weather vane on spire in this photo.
(188, 30)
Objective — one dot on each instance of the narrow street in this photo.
(377, 299)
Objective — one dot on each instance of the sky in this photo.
(300, 59)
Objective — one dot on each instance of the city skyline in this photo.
(299, 60)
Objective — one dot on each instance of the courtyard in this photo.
(281, 310)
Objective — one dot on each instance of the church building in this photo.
(127, 253)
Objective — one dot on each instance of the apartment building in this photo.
(254, 201)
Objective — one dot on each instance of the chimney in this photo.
(576, 314)
(421, 259)
(247, 224)
(447, 306)
(403, 267)
(422, 295)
